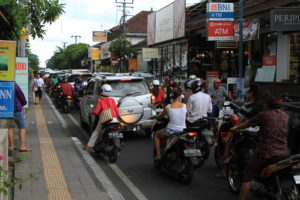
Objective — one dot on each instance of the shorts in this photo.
(38, 93)
(20, 120)
(255, 164)
(168, 131)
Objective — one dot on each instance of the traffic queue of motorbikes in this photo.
(183, 153)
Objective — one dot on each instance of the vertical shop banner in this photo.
(220, 31)
(7, 100)
(22, 75)
(210, 77)
(7, 60)
(132, 64)
(250, 30)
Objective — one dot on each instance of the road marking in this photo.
(56, 184)
(109, 187)
(139, 195)
(77, 124)
(58, 115)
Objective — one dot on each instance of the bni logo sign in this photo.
(220, 7)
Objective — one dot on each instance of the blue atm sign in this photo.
(220, 11)
(7, 99)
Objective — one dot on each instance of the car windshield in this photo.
(121, 88)
(84, 77)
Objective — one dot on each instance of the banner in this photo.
(7, 60)
(250, 30)
(22, 75)
(7, 100)
(99, 36)
(132, 65)
(220, 31)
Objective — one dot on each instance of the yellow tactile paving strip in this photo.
(55, 180)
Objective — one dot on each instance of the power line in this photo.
(123, 5)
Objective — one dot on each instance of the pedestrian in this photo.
(104, 102)
(37, 86)
(20, 101)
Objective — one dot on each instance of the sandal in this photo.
(25, 150)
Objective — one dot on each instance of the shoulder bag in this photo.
(105, 115)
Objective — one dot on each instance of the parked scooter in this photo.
(109, 142)
(177, 153)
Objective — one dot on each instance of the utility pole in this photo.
(76, 36)
(123, 6)
(241, 53)
(64, 45)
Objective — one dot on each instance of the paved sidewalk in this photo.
(64, 174)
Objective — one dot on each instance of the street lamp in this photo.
(76, 36)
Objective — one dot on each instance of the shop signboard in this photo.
(150, 52)
(210, 77)
(269, 61)
(265, 74)
(132, 64)
(99, 36)
(7, 60)
(250, 30)
(285, 19)
(22, 75)
(226, 45)
(95, 54)
(7, 99)
(220, 12)
(220, 31)
(105, 53)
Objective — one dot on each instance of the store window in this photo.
(294, 71)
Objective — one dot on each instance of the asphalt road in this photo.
(136, 178)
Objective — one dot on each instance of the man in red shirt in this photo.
(67, 89)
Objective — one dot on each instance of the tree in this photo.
(123, 50)
(29, 14)
(69, 58)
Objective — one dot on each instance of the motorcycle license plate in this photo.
(192, 152)
(297, 179)
(115, 135)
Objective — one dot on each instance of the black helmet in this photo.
(196, 85)
(188, 84)
(78, 80)
(60, 79)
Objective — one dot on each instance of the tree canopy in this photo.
(70, 57)
(33, 15)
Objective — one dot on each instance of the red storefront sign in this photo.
(269, 61)
(219, 31)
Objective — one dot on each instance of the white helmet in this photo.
(106, 90)
(193, 77)
(155, 82)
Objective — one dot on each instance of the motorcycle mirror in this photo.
(92, 106)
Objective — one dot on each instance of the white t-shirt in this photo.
(199, 105)
(38, 83)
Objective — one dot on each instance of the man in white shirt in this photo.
(199, 103)
(37, 86)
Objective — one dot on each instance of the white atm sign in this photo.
(220, 11)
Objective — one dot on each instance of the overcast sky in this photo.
(81, 17)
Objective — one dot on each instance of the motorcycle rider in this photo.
(104, 102)
(157, 92)
(248, 110)
(217, 93)
(274, 124)
(78, 86)
(199, 103)
(177, 113)
(66, 88)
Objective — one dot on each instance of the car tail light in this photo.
(152, 99)
(69, 97)
(191, 134)
(115, 128)
(61, 93)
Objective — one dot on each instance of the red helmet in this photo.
(217, 80)
(233, 119)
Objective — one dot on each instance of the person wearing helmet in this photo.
(192, 77)
(66, 88)
(103, 102)
(199, 103)
(78, 85)
(187, 90)
(157, 92)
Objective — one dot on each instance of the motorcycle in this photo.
(243, 146)
(177, 153)
(228, 121)
(109, 142)
(65, 102)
